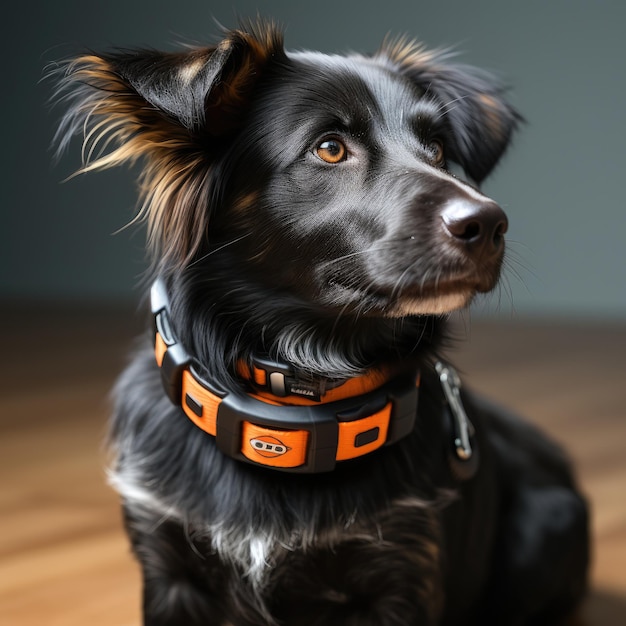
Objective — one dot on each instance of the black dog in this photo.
(308, 240)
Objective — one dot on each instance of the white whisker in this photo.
(219, 249)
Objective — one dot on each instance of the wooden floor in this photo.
(64, 560)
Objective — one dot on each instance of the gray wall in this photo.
(562, 184)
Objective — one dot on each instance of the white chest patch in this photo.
(248, 549)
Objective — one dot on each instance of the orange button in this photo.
(199, 404)
(276, 448)
(364, 435)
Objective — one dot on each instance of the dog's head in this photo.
(325, 178)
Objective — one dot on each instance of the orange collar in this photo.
(284, 422)
(277, 383)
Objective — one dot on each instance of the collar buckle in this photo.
(281, 381)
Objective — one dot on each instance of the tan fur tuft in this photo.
(119, 126)
(408, 52)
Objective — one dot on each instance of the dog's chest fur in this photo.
(379, 561)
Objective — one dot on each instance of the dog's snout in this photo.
(479, 225)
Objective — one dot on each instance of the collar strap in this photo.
(277, 383)
(284, 425)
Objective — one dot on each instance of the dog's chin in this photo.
(433, 305)
(406, 305)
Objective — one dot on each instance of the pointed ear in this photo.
(481, 120)
(134, 93)
(206, 89)
(169, 109)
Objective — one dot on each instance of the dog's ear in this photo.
(171, 109)
(205, 90)
(473, 102)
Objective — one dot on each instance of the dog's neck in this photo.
(283, 420)
(309, 374)
(223, 322)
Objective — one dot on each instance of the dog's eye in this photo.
(331, 151)
(436, 151)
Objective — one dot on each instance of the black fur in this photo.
(267, 248)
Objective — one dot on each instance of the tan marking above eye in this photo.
(331, 151)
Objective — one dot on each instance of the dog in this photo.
(289, 446)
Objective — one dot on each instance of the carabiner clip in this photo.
(463, 429)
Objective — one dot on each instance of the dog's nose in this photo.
(478, 225)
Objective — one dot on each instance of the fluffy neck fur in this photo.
(221, 321)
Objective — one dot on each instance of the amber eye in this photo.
(331, 151)
(436, 150)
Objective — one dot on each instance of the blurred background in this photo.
(561, 183)
(549, 343)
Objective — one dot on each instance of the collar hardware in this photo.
(451, 385)
(464, 457)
